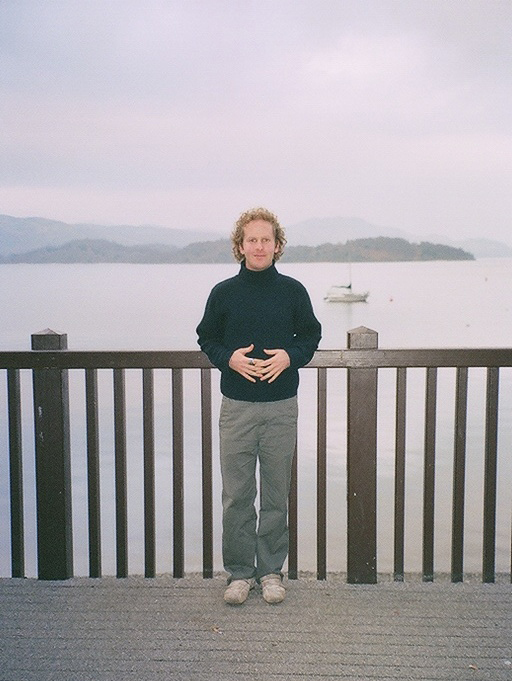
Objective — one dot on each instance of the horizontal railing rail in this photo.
(50, 361)
(192, 359)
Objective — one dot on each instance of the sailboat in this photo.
(343, 293)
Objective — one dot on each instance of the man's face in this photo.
(259, 245)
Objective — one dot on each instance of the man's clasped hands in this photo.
(259, 369)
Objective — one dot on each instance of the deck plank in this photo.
(153, 629)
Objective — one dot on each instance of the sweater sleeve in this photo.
(210, 333)
(308, 331)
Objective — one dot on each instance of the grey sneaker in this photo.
(238, 590)
(273, 589)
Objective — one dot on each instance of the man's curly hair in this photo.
(237, 236)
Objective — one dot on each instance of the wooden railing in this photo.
(50, 361)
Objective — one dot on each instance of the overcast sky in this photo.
(183, 113)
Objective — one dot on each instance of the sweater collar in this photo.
(260, 277)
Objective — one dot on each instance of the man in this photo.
(258, 328)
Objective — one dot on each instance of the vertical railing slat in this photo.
(459, 474)
(177, 474)
(16, 473)
(207, 471)
(321, 480)
(120, 473)
(490, 475)
(148, 410)
(429, 474)
(400, 425)
(93, 472)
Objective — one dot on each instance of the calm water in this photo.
(426, 304)
(438, 304)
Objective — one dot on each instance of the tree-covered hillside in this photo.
(357, 250)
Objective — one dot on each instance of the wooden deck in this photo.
(154, 629)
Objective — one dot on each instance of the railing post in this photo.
(16, 474)
(362, 464)
(53, 467)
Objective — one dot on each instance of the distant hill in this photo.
(357, 250)
(481, 248)
(316, 231)
(102, 251)
(19, 235)
(335, 230)
(380, 249)
(95, 251)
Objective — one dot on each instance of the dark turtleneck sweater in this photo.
(268, 309)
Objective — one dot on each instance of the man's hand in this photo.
(271, 368)
(247, 367)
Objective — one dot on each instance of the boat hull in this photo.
(341, 295)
